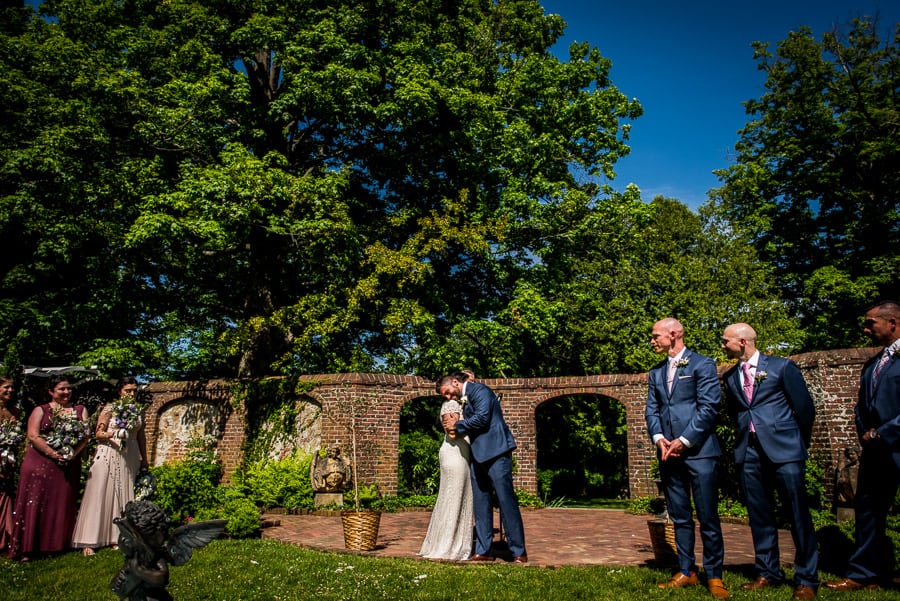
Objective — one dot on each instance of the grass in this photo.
(265, 570)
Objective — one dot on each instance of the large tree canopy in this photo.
(815, 185)
(221, 187)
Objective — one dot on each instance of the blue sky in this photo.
(691, 66)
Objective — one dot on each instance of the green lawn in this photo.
(234, 570)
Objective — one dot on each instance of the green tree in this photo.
(255, 187)
(815, 182)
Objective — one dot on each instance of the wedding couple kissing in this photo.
(475, 461)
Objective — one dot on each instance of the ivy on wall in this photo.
(271, 408)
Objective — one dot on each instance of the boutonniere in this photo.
(895, 354)
(760, 376)
(463, 401)
(681, 364)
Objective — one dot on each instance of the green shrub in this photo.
(183, 488)
(731, 508)
(648, 504)
(242, 513)
(526, 499)
(277, 482)
(418, 463)
(369, 498)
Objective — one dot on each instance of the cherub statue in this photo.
(331, 473)
(149, 544)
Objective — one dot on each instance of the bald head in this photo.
(667, 336)
(739, 341)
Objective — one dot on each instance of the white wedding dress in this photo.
(450, 530)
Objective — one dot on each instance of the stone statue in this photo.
(330, 474)
(149, 544)
(847, 476)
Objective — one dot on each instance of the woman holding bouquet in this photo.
(11, 437)
(121, 451)
(50, 475)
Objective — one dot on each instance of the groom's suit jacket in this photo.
(781, 409)
(879, 405)
(483, 422)
(691, 409)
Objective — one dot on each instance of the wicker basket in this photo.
(662, 538)
(360, 529)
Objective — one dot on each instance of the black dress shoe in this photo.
(480, 557)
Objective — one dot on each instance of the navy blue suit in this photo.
(879, 464)
(690, 411)
(492, 444)
(782, 413)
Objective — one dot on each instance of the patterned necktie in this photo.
(882, 361)
(748, 382)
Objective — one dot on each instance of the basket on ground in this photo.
(360, 529)
(662, 539)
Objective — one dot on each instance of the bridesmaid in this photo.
(121, 453)
(8, 416)
(51, 475)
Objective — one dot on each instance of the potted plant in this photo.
(360, 525)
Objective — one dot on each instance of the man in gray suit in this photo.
(682, 410)
(775, 415)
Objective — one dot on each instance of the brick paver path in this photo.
(554, 537)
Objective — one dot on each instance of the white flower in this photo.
(463, 401)
(760, 376)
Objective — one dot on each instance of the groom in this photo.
(492, 445)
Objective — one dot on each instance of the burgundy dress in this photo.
(7, 499)
(45, 503)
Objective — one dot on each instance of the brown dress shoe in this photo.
(717, 588)
(521, 559)
(760, 583)
(804, 593)
(848, 584)
(679, 580)
(480, 557)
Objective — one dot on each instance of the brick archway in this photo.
(833, 377)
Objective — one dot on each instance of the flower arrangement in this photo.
(125, 414)
(463, 401)
(144, 485)
(11, 437)
(760, 376)
(67, 432)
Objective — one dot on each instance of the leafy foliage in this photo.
(277, 483)
(814, 185)
(184, 488)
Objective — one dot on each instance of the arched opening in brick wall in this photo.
(419, 440)
(582, 448)
(186, 421)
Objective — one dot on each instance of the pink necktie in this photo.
(748, 382)
(670, 376)
(748, 388)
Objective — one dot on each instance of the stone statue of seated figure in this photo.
(330, 474)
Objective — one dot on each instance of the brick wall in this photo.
(377, 399)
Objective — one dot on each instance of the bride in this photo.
(450, 530)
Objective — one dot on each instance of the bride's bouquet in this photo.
(68, 431)
(11, 437)
(125, 415)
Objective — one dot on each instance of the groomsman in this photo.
(681, 413)
(775, 415)
(878, 426)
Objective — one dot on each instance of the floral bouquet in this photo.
(125, 414)
(144, 485)
(67, 432)
(11, 437)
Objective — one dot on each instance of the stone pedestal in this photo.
(845, 513)
(329, 498)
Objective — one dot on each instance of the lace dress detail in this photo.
(449, 533)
